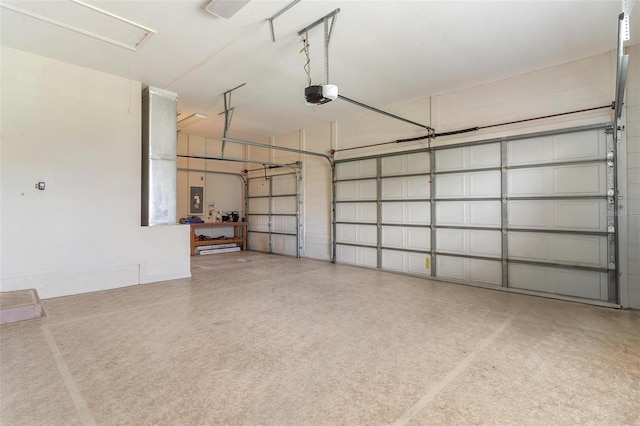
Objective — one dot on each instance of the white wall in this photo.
(632, 210)
(79, 131)
(224, 191)
(316, 183)
(576, 85)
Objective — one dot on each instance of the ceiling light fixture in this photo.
(225, 9)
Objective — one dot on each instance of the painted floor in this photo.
(271, 340)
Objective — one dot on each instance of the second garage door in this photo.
(532, 213)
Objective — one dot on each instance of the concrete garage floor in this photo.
(259, 339)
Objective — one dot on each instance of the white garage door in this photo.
(273, 214)
(534, 213)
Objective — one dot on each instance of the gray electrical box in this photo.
(159, 139)
(196, 197)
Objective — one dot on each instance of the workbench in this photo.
(239, 234)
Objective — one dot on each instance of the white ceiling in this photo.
(382, 52)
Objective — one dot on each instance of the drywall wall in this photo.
(576, 85)
(219, 179)
(316, 184)
(77, 130)
(631, 209)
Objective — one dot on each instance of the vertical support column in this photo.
(612, 214)
(245, 179)
(432, 177)
(504, 217)
(159, 163)
(270, 215)
(298, 204)
(379, 212)
(333, 212)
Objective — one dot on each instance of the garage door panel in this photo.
(469, 270)
(258, 242)
(360, 256)
(284, 185)
(418, 213)
(469, 242)
(259, 205)
(414, 187)
(411, 263)
(418, 263)
(583, 250)
(414, 213)
(485, 271)
(272, 207)
(471, 157)
(486, 155)
(418, 238)
(484, 184)
(529, 182)
(578, 283)
(571, 215)
(356, 169)
(406, 164)
(452, 213)
(588, 179)
(356, 212)
(485, 243)
(472, 184)
(450, 186)
(450, 240)
(406, 238)
(529, 151)
(258, 188)
(547, 208)
(286, 224)
(483, 213)
(259, 223)
(356, 234)
(393, 236)
(417, 187)
(588, 145)
(356, 190)
(468, 213)
(284, 205)
(450, 159)
(450, 267)
(284, 244)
